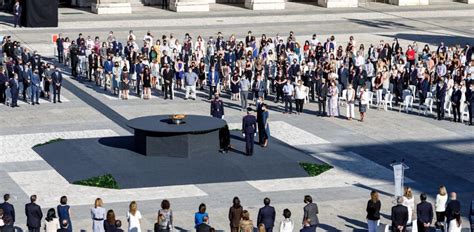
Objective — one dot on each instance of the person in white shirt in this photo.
(364, 101)
(134, 218)
(288, 92)
(409, 202)
(350, 100)
(440, 205)
(301, 91)
(287, 225)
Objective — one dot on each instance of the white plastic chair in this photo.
(427, 105)
(412, 90)
(343, 96)
(448, 109)
(407, 103)
(371, 98)
(387, 101)
(464, 112)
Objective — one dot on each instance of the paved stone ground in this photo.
(437, 152)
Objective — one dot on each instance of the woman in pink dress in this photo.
(333, 95)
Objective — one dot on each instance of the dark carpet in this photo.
(79, 159)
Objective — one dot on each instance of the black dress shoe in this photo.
(60, 101)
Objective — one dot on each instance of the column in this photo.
(338, 3)
(265, 4)
(111, 7)
(189, 5)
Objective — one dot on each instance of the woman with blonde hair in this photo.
(409, 202)
(246, 225)
(98, 216)
(134, 217)
(373, 211)
(440, 205)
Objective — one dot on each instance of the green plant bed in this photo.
(48, 142)
(105, 181)
(315, 169)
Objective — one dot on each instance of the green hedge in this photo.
(105, 181)
(315, 169)
(48, 142)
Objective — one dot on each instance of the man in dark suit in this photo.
(249, 128)
(470, 102)
(217, 107)
(212, 81)
(424, 214)
(456, 103)
(399, 216)
(8, 209)
(14, 90)
(310, 212)
(57, 78)
(204, 226)
(17, 11)
(60, 47)
(452, 207)
(93, 64)
(266, 215)
(33, 215)
(322, 96)
(168, 75)
(440, 97)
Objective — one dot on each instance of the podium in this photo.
(399, 177)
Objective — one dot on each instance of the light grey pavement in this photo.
(438, 152)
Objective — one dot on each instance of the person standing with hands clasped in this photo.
(289, 92)
(217, 107)
(57, 78)
(249, 128)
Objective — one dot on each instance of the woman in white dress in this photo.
(134, 217)
(409, 202)
(440, 205)
(98, 216)
(287, 225)
(52, 222)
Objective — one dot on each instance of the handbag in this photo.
(250, 96)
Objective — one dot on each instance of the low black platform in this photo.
(159, 136)
(79, 159)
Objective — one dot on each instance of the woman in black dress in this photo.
(147, 83)
(109, 223)
(235, 87)
(125, 83)
(202, 73)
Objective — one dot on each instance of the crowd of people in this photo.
(279, 68)
(59, 218)
(445, 216)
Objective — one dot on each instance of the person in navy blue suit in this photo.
(35, 87)
(8, 209)
(440, 97)
(217, 107)
(57, 78)
(249, 128)
(14, 90)
(17, 10)
(266, 215)
(212, 81)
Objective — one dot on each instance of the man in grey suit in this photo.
(310, 212)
